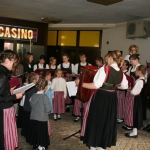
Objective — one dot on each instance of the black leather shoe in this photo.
(147, 127)
(55, 119)
(59, 118)
(128, 135)
(68, 109)
(124, 127)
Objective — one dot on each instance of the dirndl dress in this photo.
(99, 127)
(58, 102)
(133, 116)
(121, 100)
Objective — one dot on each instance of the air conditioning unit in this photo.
(137, 29)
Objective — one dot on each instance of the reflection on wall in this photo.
(8, 46)
(35, 49)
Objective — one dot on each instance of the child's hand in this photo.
(12, 89)
(77, 81)
(19, 95)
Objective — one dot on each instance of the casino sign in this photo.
(18, 33)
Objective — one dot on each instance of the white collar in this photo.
(114, 65)
(40, 92)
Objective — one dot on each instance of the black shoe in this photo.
(148, 130)
(55, 119)
(128, 135)
(35, 146)
(124, 127)
(59, 118)
(68, 109)
(147, 127)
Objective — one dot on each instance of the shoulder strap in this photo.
(37, 65)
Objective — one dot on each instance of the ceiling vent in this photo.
(137, 29)
(105, 2)
(50, 20)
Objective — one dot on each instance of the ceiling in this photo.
(75, 11)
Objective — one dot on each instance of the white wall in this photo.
(118, 41)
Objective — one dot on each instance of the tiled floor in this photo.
(66, 126)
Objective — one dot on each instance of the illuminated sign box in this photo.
(18, 33)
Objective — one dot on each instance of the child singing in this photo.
(60, 92)
(133, 103)
(40, 108)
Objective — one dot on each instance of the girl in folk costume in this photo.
(69, 68)
(39, 120)
(133, 103)
(52, 63)
(134, 61)
(41, 64)
(133, 49)
(33, 78)
(99, 127)
(47, 76)
(8, 129)
(77, 104)
(121, 95)
(27, 62)
(60, 93)
(99, 62)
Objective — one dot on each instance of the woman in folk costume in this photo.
(133, 49)
(99, 127)
(59, 96)
(133, 103)
(77, 104)
(66, 66)
(8, 129)
(121, 95)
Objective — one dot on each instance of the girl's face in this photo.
(59, 74)
(65, 59)
(53, 62)
(99, 63)
(30, 58)
(134, 62)
(48, 77)
(110, 60)
(124, 67)
(83, 59)
(133, 50)
(42, 61)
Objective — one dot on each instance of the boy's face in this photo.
(83, 59)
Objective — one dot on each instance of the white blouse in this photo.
(132, 69)
(59, 84)
(100, 76)
(67, 65)
(41, 66)
(82, 64)
(53, 67)
(137, 87)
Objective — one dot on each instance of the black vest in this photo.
(79, 67)
(44, 65)
(68, 70)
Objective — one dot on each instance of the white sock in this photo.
(58, 116)
(92, 148)
(99, 148)
(134, 132)
(55, 117)
(67, 106)
(77, 118)
(128, 127)
(119, 120)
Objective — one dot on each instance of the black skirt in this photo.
(101, 127)
(20, 117)
(25, 123)
(38, 134)
(137, 112)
